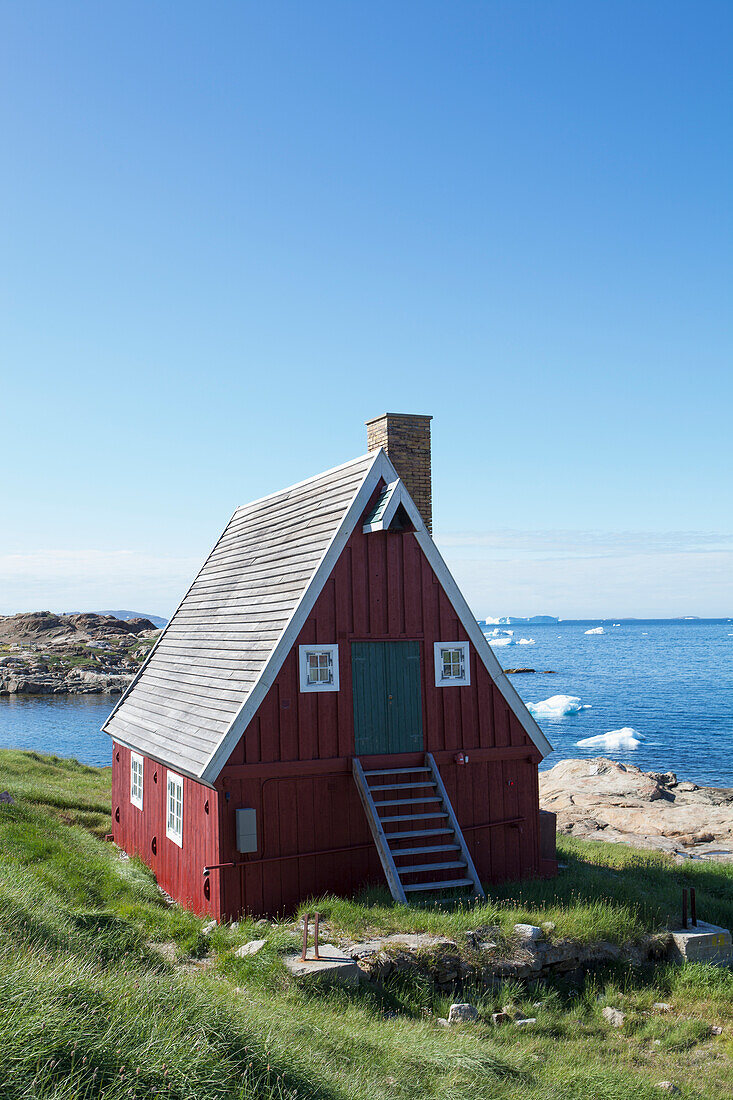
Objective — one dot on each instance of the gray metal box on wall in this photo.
(246, 830)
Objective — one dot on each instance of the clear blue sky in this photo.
(231, 232)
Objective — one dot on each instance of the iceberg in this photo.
(557, 706)
(595, 630)
(500, 637)
(526, 641)
(614, 741)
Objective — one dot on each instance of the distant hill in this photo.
(38, 627)
(126, 615)
(508, 620)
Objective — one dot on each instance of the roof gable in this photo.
(215, 662)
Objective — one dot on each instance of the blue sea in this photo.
(669, 680)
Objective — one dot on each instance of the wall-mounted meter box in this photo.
(246, 830)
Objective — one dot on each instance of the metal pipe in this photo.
(693, 907)
(343, 851)
(304, 952)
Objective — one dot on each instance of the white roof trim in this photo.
(380, 468)
(476, 635)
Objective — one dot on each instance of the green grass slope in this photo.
(107, 991)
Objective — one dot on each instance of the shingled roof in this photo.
(218, 656)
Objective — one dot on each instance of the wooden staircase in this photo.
(415, 829)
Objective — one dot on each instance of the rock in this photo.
(661, 1006)
(442, 1022)
(697, 838)
(525, 1021)
(602, 799)
(548, 927)
(716, 1030)
(668, 1086)
(250, 948)
(462, 1013)
(209, 927)
(614, 1016)
(528, 931)
(7, 798)
(498, 1018)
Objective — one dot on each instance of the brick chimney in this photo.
(406, 439)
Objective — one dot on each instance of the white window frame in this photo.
(136, 799)
(333, 652)
(452, 681)
(174, 782)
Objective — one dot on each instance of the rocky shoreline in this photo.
(601, 799)
(86, 654)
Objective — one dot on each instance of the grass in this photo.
(89, 1008)
(606, 892)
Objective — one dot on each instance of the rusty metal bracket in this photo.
(316, 922)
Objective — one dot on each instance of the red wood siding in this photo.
(178, 869)
(293, 763)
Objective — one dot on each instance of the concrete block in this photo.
(704, 943)
(334, 965)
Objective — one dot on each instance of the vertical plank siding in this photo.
(292, 764)
(178, 869)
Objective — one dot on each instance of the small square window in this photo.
(319, 668)
(452, 664)
(174, 814)
(136, 780)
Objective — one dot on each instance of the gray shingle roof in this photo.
(212, 653)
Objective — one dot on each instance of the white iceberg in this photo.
(614, 741)
(595, 630)
(557, 706)
(526, 641)
(500, 637)
(501, 641)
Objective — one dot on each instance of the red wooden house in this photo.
(323, 710)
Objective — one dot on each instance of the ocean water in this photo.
(670, 680)
(65, 725)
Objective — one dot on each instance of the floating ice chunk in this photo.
(526, 641)
(557, 706)
(500, 637)
(615, 740)
(595, 630)
(617, 624)
(501, 641)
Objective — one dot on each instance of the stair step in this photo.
(397, 771)
(449, 885)
(411, 817)
(411, 833)
(425, 849)
(406, 801)
(402, 786)
(431, 867)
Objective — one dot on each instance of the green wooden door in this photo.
(387, 697)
